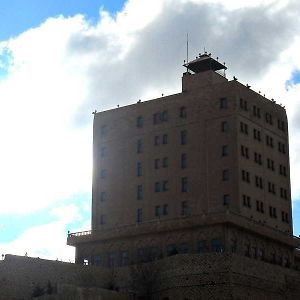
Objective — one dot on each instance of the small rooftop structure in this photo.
(204, 63)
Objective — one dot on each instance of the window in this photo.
(103, 219)
(281, 125)
(139, 146)
(282, 170)
(139, 215)
(183, 137)
(272, 212)
(124, 258)
(225, 175)
(224, 126)
(183, 248)
(245, 151)
(256, 111)
(271, 188)
(269, 141)
(139, 122)
(270, 164)
(165, 162)
(183, 161)
(257, 158)
(165, 139)
(165, 185)
(103, 173)
(283, 193)
(139, 169)
(202, 246)
(103, 152)
(281, 147)
(184, 184)
(223, 103)
(156, 118)
(172, 250)
(246, 201)
(112, 260)
(164, 116)
(245, 176)
(244, 128)
(259, 182)
(156, 140)
(103, 130)
(217, 245)
(256, 134)
(260, 206)
(157, 187)
(156, 163)
(165, 209)
(139, 192)
(243, 104)
(268, 118)
(182, 112)
(157, 211)
(103, 196)
(224, 150)
(184, 208)
(226, 199)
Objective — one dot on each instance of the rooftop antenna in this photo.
(187, 50)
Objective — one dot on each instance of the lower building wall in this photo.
(182, 276)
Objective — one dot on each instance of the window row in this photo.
(258, 159)
(161, 117)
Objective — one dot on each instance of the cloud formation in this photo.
(58, 73)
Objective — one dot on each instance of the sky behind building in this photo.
(61, 60)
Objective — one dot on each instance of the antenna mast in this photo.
(187, 49)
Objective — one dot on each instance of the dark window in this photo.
(139, 192)
(244, 128)
(139, 169)
(164, 116)
(157, 211)
(165, 139)
(256, 134)
(165, 162)
(269, 118)
(270, 164)
(165, 185)
(139, 146)
(124, 258)
(184, 208)
(183, 137)
(103, 219)
(156, 118)
(226, 199)
(224, 150)
(112, 260)
(281, 125)
(183, 248)
(183, 160)
(223, 103)
(258, 158)
(245, 176)
(243, 104)
(281, 147)
(271, 188)
(224, 126)
(103, 152)
(172, 250)
(245, 151)
(217, 245)
(258, 182)
(225, 175)
(246, 201)
(256, 111)
(282, 170)
(165, 209)
(103, 196)
(156, 163)
(183, 112)
(283, 193)
(184, 184)
(139, 215)
(139, 122)
(202, 246)
(103, 173)
(103, 130)
(156, 140)
(269, 141)
(157, 187)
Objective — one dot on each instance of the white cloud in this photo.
(65, 68)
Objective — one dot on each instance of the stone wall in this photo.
(184, 276)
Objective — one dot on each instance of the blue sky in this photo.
(17, 16)
(60, 60)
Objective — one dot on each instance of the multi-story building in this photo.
(204, 170)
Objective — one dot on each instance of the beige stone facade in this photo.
(202, 171)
